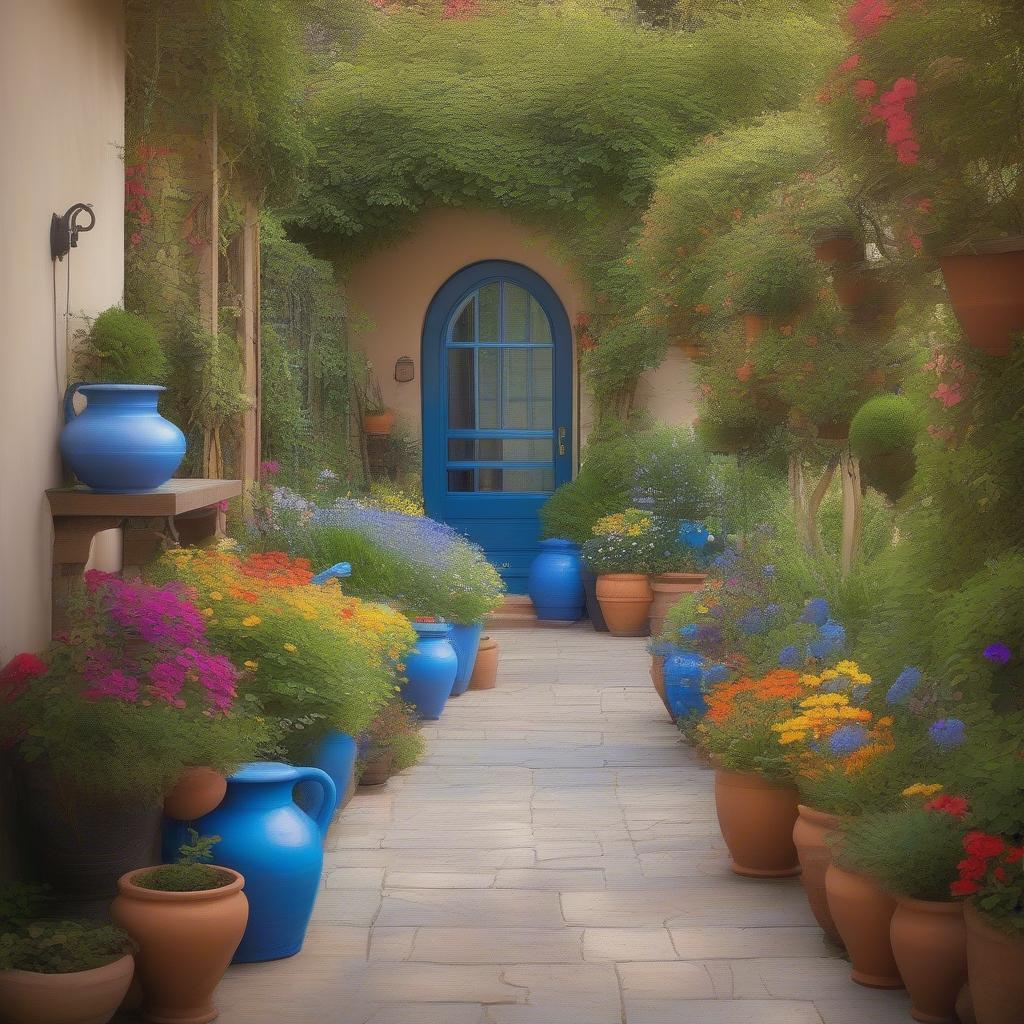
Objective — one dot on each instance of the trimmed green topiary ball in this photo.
(884, 425)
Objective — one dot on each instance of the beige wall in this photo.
(390, 290)
(62, 126)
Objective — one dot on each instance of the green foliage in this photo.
(744, 741)
(909, 852)
(674, 475)
(884, 425)
(395, 729)
(121, 348)
(192, 871)
(62, 947)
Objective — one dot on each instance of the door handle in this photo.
(562, 433)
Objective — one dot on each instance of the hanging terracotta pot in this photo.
(80, 997)
(987, 293)
(810, 835)
(485, 670)
(754, 325)
(862, 913)
(658, 679)
(186, 941)
(379, 423)
(626, 599)
(838, 247)
(995, 967)
(668, 587)
(929, 942)
(197, 792)
(756, 817)
(377, 768)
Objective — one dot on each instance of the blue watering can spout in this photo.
(340, 571)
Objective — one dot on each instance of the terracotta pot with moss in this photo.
(995, 967)
(188, 919)
(756, 816)
(377, 768)
(63, 972)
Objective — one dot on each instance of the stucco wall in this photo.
(390, 290)
(62, 131)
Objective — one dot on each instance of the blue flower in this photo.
(715, 674)
(906, 683)
(816, 612)
(790, 657)
(689, 631)
(847, 739)
(768, 571)
(772, 610)
(830, 640)
(947, 733)
(661, 649)
(751, 622)
(1000, 654)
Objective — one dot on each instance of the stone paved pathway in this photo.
(553, 860)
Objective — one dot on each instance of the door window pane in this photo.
(500, 449)
(517, 313)
(489, 326)
(540, 326)
(464, 326)
(461, 389)
(540, 389)
(490, 385)
(501, 481)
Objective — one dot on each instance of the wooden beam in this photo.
(248, 333)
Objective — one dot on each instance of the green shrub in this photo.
(909, 852)
(884, 425)
(121, 348)
(191, 872)
(395, 729)
(674, 475)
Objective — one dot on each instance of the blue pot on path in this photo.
(683, 693)
(430, 670)
(120, 443)
(555, 585)
(336, 755)
(466, 641)
(276, 846)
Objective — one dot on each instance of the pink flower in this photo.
(270, 467)
(851, 62)
(867, 16)
(864, 88)
(948, 395)
(907, 152)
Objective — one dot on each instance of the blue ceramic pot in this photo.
(430, 670)
(120, 443)
(335, 754)
(556, 583)
(683, 693)
(276, 846)
(466, 641)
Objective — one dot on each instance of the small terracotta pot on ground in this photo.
(863, 914)
(756, 817)
(379, 423)
(810, 833)
(668, 588)
(626, 599)
(81, 997)
(198, 791)
(186, 941)
(485, 670)
(377, 769)
(995, 969)
(929, 943)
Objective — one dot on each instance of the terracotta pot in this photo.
(668, 587)
(987, 293)
(995, 966)
(379, 423)
(929, 942)
(863, 913)
(853, 288)
(485, 671)
(658, 679)
(754, 325)
(197, 792)
(186, 941)
(841, 247)
(626, 599)
(377, 769)
(756, 817)
(82, 997)
(810, 833)
(965, 1006)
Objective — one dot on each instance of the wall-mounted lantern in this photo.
(405, 370)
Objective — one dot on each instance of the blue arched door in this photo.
(497, 408)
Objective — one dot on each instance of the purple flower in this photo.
(1000, 654)
(715, 674)
(947, 733)
(847, 739)
(905, 684)
(790, 657)
(816, 612)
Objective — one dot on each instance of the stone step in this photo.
(517, 612)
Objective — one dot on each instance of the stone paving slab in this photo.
(555, 859)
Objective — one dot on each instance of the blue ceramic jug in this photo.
(430, 670)
(466, 641)
(335, 754)
(120, 443)
(555, 585)
(275, 846)
(683, 693)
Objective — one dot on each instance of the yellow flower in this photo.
(207, 612)
(290, 648)
(251, 620)
(252, 664)
(921, 789)
(702, 608)
(216, 595)
(790, 737)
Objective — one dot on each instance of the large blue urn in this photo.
(683, 674)
(430, 670)
(120, 443)
(466, 641)
(277, 848)
(555, 585)
(335, 753)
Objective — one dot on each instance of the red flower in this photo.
(864, 88)
(962, 888)
(955, 806)
(1014, 854)
(972, 870)
(850, 63)
(983, 845)
(18, 672)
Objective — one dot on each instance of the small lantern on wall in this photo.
(405, 370)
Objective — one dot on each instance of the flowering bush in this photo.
(620, 553)
(394, 729)
(130, 695)
(633, 522)
(311, 652)
(992, 873)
